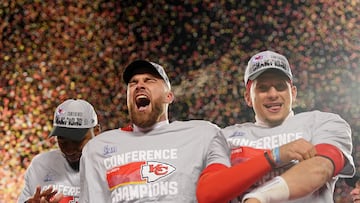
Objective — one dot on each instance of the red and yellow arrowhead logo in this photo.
(137, 173)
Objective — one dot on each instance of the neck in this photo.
(156, 125)
(260, 122)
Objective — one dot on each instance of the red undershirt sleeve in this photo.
(333, 154)
(219, 183)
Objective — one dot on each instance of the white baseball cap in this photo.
(148, 66)
(266, 60)
(73, 118)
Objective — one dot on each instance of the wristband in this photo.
(274, 191)
(276, 155)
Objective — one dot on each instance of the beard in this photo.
(75, 165)
(146, 120)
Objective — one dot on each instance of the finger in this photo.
(43, 200)
(307, 156)
(56, 198)
(37, 194)
(299, 156)
(313, 152)
(47, 191)
(51, 195)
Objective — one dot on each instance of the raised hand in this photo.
(47, 196)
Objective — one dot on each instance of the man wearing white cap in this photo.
(321, 142)
(53, 176)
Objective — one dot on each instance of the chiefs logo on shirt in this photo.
(138, 173)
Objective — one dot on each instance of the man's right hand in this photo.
(47, 196)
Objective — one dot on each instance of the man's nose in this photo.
(140, 84)
(272, 91)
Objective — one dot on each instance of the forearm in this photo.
(224, 184)
(308, 176)
(299, 181)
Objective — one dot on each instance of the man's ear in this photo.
(247, 98)
(293, 92)
(97, 129)
(170, 97)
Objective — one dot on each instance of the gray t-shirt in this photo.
(162, 165)
(315, 126)
(51, 169)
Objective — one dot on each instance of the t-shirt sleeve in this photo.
(28, 190)
(92, 187)
(332, 129)
(218, 151)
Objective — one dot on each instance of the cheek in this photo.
(128, 96)
(257, 98)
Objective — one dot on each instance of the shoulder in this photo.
(107, 133)
(320, 120)
(318, 115)
(48, 155)
(46, 159)
(195, 124)
(105, 136)
(239, 126)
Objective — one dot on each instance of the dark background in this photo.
(54, 50)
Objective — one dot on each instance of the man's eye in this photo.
(131, 83)
(281, 87)
(263, 88)
(150, 80)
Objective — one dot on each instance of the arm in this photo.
(327, 163)
(93, 186)
(302, 179)
(318, 171)
(249, 165)
(31, 193)
(233, 180)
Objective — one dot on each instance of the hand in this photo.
(252, 200)
(46, 196)
(297, 150)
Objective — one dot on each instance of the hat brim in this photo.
(352, 181)
(130, 69)
(76, 134)
(261, 71)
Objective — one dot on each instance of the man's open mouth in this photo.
(142, 101)
(273, 105)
